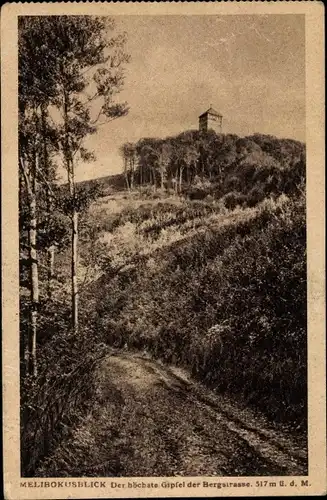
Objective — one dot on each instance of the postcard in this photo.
(163, 249)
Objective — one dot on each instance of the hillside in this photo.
(210, 288)
(243, 169)
(107, 184)
(208, 276)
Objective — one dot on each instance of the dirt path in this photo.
(152, 420)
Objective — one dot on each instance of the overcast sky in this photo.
(249, 68)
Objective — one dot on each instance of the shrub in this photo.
(234, 199)
(53, 403)
(230, 304)
(255, 196)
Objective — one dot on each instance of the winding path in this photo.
(153, 420)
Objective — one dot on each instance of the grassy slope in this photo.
(220, 292)
(217, 286)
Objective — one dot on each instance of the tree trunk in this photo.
(74, 259)
(126, 180)
(74, 247)
(30, 350)
(180, 179)
(49, 205)
(131, 166)
(175, 183)
(34, 273)
(162, 179)
(50, 268)
(126, 174)
(154, 178)
(30, 354)
(74, 219)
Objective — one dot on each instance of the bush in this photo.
(52, 404)
(230, 304)
(196, 193)
(234, 199)
(255, 196)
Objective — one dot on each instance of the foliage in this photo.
(71, 69)
(59, 397)
(203, 266)
(229, 295)
(198, 165)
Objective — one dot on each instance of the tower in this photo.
(210, 120)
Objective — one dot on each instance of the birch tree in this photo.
(36, 89)
(90, 62)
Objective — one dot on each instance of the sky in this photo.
(249, 68)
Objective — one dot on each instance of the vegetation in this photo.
(244, 169)
(65, 64)
(221, 292)
(196, 254)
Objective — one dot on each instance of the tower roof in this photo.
(210, 111)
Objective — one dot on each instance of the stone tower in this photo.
(210, 120)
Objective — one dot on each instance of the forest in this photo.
(196, 164)
(195, 255)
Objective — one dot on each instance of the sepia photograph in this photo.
(162, 244)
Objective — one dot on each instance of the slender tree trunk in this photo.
(175, 182)
(153, 177)
(74, 247)
(74, 219)
(49, 205)
(34, 287)
(162, 174)
(50, 258)
(180, 178)
(30, 353)
(74, 263)
(50, 269)
(126, 174)
(132, 174)
(126, 180)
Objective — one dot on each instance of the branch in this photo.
(26, 176)
(108, 121)
(46, 182)
(97, 118)
(78, 147)
(88, 100)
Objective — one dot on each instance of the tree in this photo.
(147, 152)
(51, 228)
(36, 89)
(156, 155)
(89, 69)
(185, 154)
(70, 70)
(29, 168)
(128, 153)
(161, 152)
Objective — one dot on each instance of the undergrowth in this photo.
(228, 302)
(54, 402)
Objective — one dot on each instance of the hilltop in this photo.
(243, 170)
